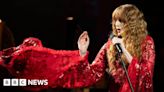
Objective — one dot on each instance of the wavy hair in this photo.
(135, 31)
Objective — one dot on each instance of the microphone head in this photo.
(111, 35)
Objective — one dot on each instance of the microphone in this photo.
(117, 45)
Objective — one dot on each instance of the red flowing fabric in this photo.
(67, 69)
(62, 69)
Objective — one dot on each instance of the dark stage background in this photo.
(47, 20)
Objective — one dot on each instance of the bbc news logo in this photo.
(24, 82)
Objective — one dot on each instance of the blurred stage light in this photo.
(69, 18)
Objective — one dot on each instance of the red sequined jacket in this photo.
(140, 72)
(67, 69)
(62, 69)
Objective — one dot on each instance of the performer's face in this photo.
(119, 27)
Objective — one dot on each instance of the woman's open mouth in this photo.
(118, 30)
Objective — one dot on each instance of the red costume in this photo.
(67, 69)
(140, 72)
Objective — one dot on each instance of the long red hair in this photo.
(135, 31)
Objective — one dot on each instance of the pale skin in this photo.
(119, 27)
(83, 41)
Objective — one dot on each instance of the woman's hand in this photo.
(83, 43)
(116, 40)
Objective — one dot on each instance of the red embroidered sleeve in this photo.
(66, 69)
(141, 73)
(147, 66)
(84, 74)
